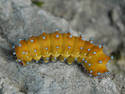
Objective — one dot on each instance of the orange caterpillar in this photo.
(63, 46)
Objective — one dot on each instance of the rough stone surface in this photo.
(103, 21)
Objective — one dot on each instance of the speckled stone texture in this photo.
(21, 19)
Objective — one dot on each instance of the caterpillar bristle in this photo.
(112, 57)
(20, 40)
(27, 63)
(109, 61)
(100, 45)
(37, 61)
(13, 46)
(14, 53)
(57, 29)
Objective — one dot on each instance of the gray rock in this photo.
(20, 19)
(102, 20)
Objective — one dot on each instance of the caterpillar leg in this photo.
(62, 59)
(54, 59)
(70, 60)
(46, 59)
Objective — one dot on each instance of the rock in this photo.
(65, 9)
(102, 20)
(7, 87)
(20, 19)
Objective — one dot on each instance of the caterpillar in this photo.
(63, 47)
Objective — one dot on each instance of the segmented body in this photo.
(63, 46)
